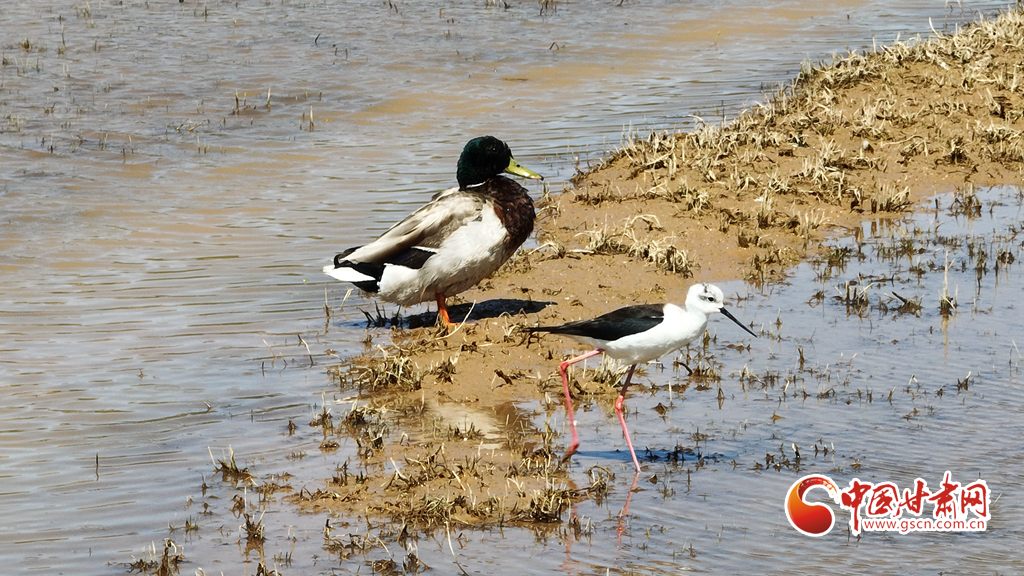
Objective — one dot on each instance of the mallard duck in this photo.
(637, 334)
(453, 242)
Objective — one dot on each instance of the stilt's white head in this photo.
(708, 298)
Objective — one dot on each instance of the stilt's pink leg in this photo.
(568, 400)
(622, 419)
(621, 529)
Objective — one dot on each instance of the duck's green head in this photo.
(484, 158)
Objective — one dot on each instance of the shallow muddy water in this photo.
(174, 175)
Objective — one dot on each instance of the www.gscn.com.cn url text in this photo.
(905, 525)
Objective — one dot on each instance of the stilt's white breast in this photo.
(678, 329)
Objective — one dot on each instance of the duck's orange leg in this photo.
(442, 309)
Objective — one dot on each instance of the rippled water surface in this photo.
(173, 176)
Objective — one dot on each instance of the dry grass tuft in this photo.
(889, 198)
(637, 242)
(391, 371)
(167, 564)
(231, 472)
(966, 202)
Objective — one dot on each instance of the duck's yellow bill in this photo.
(517, 169)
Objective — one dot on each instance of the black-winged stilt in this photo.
(636, 334)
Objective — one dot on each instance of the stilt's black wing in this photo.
(613, 325)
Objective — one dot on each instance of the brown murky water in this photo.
(174, 175)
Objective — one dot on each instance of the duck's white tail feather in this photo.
(346, 274)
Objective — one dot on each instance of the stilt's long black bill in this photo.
(733, 318)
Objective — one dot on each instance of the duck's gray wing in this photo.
(416, 237)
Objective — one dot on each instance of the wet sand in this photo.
(861, 138)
